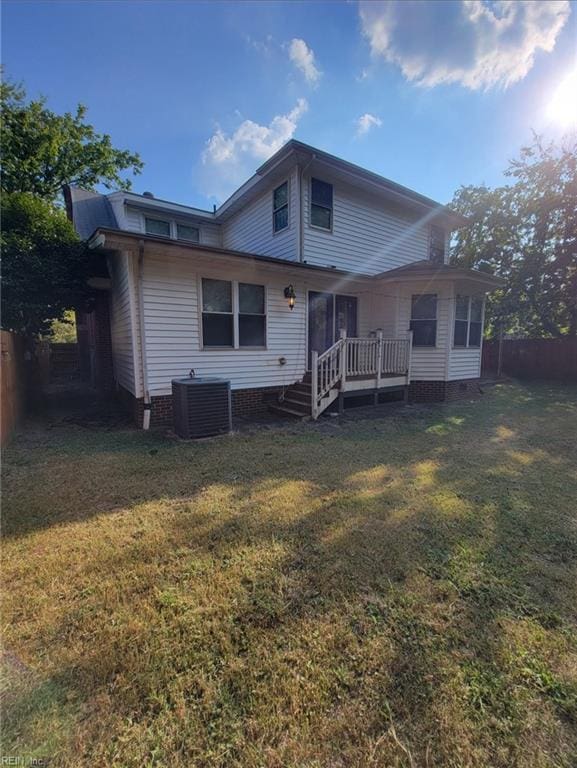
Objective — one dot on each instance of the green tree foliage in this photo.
(45, 267)
(43, 151)
(526, 232)
(63, 331)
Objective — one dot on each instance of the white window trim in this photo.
(288, 207)
(332, 209)
(462, 320)
(235, 316)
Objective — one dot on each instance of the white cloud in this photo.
(367, 121)
(304, 59)
(228, 159)
(472, 42)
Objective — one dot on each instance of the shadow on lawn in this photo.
(432, 530)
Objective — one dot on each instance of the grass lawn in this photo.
(399, 591)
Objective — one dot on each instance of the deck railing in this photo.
(372, 358)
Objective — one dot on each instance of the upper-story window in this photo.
(468, 321)
(424, 319)
(437, 245)
(186, 232)
(321, 204)
(168, 228)
(280, 211)
(157, 227)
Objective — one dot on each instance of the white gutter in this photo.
(144, 369)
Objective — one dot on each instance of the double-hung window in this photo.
(233, 314)
(468, 321)
(217, 313)
(186, 232)
(251, 315)
(157, 227)
(424, 320)
(280, 211)
(436, 245)
(321, 204)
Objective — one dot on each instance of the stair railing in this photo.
(326, 371)
(373, 357)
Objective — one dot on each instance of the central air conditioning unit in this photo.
(201, 407)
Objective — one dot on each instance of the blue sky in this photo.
(432, 95)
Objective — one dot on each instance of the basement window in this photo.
(321, 204)
(424, 320)
(157, 227)
(280, 211)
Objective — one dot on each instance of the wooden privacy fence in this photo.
(548, 359)
(13, 383)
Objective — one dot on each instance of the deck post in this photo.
(314, 382)
(409, 355)
(379, 358)
(344, 356)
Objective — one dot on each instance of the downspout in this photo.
(144, 370)
(301, 228)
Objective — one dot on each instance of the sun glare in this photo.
(562, 108)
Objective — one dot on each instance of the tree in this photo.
(526, 232)
(45, 267)
(43, 151)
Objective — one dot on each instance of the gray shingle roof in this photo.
(90, 211)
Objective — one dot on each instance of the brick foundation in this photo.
(442, 391)
(245, 402)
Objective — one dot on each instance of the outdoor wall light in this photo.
(289, 293)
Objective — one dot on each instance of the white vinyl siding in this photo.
(368, 235)
(251, 229)
(122, 313)
(428, 363)
(465, 363)
(209, 232)
(173, 325)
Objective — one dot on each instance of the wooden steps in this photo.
(296, 402)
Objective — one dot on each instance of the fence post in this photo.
(314, 383)
(409, 354)
(379, 358)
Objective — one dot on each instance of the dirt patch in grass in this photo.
(397, 591)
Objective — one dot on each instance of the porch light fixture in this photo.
(289, 293)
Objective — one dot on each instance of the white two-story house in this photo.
(315, 280)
